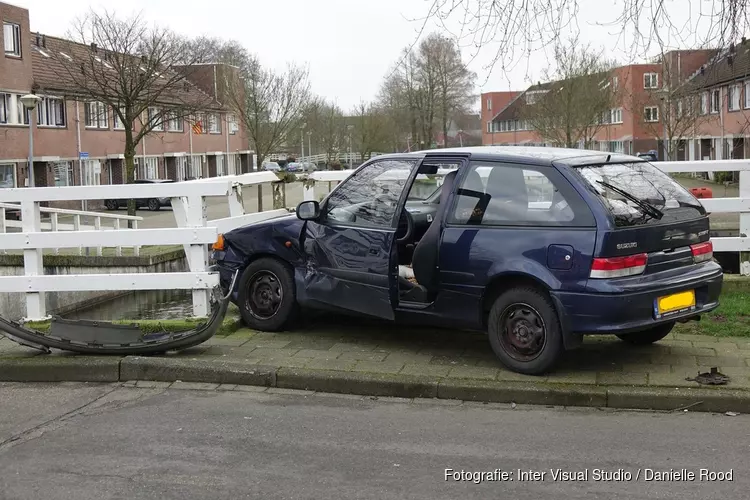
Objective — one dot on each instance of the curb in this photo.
(166, 369)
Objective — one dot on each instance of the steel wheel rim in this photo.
(153, 204)
(523, 333)
(264, 295)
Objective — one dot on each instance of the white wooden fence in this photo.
(194, 232)
(55, 214)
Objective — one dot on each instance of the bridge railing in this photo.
(195, 232)
(76, 217)
(738, 205)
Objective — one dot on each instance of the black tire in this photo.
(111, 205)
(649, 336)
(537, 344)
(261, 282)
(154, 205)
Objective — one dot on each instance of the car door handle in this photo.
(374, 250)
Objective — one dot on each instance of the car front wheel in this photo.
(267, 296)
(111, 205)
(646, 337)
(154, 205)
(525, 332)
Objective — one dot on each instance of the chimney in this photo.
(744, 40)
(730, 60)
(93, 47)
(37, 39)
(44, 41)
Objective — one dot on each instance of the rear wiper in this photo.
(647, 207)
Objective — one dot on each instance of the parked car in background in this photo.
(294, 167)
(534, 246)
(152, 204)
(271, 166)
(309, 166)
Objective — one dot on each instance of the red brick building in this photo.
(78, 141)
(634, 124)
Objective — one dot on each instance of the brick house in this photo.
(80, 142)
(634, 124)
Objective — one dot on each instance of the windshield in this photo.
(427, 187)
(646, 183)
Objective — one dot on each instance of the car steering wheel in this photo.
(405, 214)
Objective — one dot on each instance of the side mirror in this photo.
(308, 210)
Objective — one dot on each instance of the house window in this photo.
(650, 80)
(651, 114)
(489, 104)
(489, 127)
(4, 108)
(233, 126)
(214, 125)
(174, 123)
(22, 114)
(155, 119)
(679, 108)
(7, 175)
(92, 172)
(615, 82)
(12, 111)
(733, 97)
(715, 100)
(95, 115)
(63, 171)
(147, 168)
(530, 98)
(747, 95)
(617, 115)
(116, 121)
(12, 39)
(50, 112)
(704, 103)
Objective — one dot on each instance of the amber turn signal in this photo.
(219, 244)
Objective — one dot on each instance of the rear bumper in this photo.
(633, 310)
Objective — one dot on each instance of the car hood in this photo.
(288, 225)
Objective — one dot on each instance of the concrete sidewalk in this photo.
(379, 359)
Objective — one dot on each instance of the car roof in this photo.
(528, 154)
(151, 181)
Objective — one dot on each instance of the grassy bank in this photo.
(731, 318)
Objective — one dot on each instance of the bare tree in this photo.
(270, 104)
(512, 29)
(137, 73)
(369, 128)
(576, 101)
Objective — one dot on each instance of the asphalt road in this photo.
(105, 442)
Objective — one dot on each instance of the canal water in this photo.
(150, 304)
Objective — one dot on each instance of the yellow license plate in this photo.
(672, 304)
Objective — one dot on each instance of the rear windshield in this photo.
(649, 185)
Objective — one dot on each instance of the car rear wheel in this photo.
(524, 331)
(154, 205)
(267, 296)
(646, 337)
(111, 205)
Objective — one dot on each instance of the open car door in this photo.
(350, 251)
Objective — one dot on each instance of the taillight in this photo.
(702, 251)
(617, 267)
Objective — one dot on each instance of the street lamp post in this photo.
(302, 137)
(461, 137)
(309, 142)
(30, 102)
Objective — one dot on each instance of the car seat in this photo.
(509, 199)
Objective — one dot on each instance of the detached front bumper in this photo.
(226, 266)
(632, 311)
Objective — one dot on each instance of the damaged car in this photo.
(537, 247)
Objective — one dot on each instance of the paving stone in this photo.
(250, 388)
(226, 387)
(646, 368)
(695, 338)
(474, 372)
(437, 402)
(694, 351)
(720, 361)
(364, 356)
(268, 352)
(623, 378)
(673, 359)
(273, 344)
(150, 384)
(330, 364)
(289, 392)
(378, 367)
(351, 347)
(580, 377)
(194, 386)
(402, 357)
(425, 369)
(316, 353)
(286, 361)
(507, 375)
(670, 380)
(453, 361)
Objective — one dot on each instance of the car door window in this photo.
(496, 194)
(369, 197)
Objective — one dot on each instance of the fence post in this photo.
(77, 227)
(195, 216)
(98, 227)
(32, 259)
(2, 223)
(308, 189)
(137, 248)
(54, 227)
(744, 221)
(116, 227)
(278, 194)
(236, 205)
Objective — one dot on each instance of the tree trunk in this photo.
(259, 167)
(130, 171)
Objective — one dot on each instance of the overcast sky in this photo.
(349, 45)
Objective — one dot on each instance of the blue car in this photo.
(534, 246)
